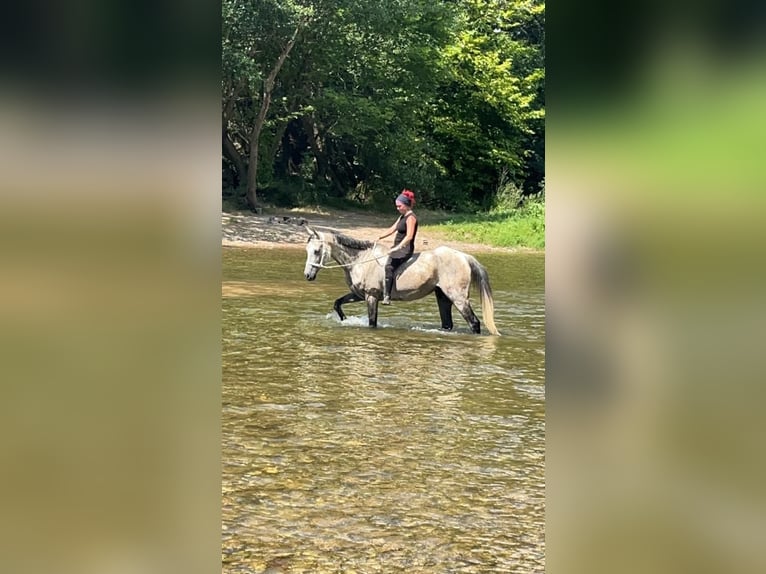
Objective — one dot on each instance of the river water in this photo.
(397, 449)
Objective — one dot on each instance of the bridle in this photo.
(325, 254)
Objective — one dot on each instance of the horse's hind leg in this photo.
(445, 309)
(347, 298)
(464, 306)
(372, 310)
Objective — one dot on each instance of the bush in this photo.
(508, 195)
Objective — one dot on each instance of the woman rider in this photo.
(406, 228)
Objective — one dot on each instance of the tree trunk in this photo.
(325, 168)
(274, 149)
(230, 151)
(232, 154)
(315, 144)
(255, 136)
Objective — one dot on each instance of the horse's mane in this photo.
(351, 242)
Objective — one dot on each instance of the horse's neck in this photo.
(343, 255)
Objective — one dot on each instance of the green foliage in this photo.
(289, 192)
(516, 221)
(487, 116)
(524, 228)
(377, 95)
(508, 196)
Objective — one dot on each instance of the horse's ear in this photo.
(312, 233)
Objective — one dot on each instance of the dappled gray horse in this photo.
(444, 271)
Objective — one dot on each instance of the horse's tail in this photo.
(480, 280)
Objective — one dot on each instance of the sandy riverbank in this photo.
(284, 229)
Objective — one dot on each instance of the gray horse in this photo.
(447, 272)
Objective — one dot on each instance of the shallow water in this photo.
(397, 449)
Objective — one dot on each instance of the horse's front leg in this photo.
(372, 310)
(347, 298)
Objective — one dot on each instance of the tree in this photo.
(257, 39)
(489, 109)
(359, 98)
(268, 88)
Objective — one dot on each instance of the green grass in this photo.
(523, 227)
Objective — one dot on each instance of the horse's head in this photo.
(315, 254)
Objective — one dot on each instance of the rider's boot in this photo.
(387, 285)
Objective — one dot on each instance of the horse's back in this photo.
(445, 251)
(450, 258)
(444, 265)
(438, 257)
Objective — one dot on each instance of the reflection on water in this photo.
(397, 449)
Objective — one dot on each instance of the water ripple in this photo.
(398, 449)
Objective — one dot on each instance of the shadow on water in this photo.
(397, 449)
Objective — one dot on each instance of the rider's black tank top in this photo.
(401, 233)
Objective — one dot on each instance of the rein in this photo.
(339, 265)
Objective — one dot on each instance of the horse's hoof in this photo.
(386, 301)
